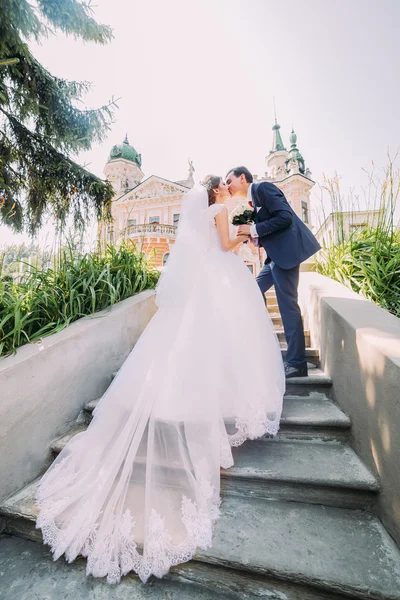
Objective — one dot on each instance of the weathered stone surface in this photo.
(288, 528)
(360, 350)
(44, 385)
(330, 463)
(248, 585)
(21, 504)
(316, 472)
(338, 550)
(314, 410)
(313, 417)
(312, 354)
(61, 442)
(28, 573)
(316, 381)
(343, 551)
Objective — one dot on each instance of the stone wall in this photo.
(45, 385)
(360, 350)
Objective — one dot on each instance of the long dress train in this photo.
(140, 489)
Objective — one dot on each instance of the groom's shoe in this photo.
(295, 371)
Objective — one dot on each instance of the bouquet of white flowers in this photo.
(243, 215)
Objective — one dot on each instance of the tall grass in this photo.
(43, 302)
(367, 260)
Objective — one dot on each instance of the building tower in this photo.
(123, 168)
(287, 170)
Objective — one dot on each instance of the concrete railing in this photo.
(152, 230)
(45, 385)
(360, 349)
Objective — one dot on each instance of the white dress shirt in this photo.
(253, 230)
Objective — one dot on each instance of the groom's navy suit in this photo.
(287, 242)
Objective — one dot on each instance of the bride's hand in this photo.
(243, 238)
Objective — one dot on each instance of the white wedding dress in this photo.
(139, 490)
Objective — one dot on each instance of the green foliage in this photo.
(367, 260)
(40, 124)
(368, 263)
(45, 302)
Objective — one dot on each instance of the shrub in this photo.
(43, 302)
(367, 260)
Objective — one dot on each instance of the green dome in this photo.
(125, 151)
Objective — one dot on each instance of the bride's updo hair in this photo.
(210, 183)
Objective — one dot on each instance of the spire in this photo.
(277, 144)
(126, 139)
(294, 152)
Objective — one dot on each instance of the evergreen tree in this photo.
(40, 124)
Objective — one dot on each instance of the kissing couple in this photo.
(139, 490)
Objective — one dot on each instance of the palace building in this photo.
(147, 210)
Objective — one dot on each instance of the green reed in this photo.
(367, 260)
(41, 302)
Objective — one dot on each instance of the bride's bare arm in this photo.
(222, 222)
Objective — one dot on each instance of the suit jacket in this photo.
(285, 238)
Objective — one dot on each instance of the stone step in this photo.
(303, 417)
(60, 443)
(281, 336)
(341, 551)
(316, 381)
(313, 417)
(312, 354)
(244, 585)
(28, 573)
(315, 472)
(303, 470)
(25, 566)
(273, 308)
(328, 473)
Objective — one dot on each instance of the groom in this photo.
(287, 242)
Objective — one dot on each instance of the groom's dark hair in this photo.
(238, 171)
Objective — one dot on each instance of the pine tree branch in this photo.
(42, 122)
(51, 182)
(73, 17)
(9, 61)
(24, 17)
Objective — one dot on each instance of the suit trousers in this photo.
(286, 282)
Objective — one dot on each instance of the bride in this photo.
(140, 489)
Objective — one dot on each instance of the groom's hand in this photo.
(244, 230)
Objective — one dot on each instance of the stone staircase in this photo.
(298, 515)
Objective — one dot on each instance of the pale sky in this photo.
(197, 78)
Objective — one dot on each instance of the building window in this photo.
(154, 219)
(176, 219)
(304, 212)
(131, 222)
(165, 258)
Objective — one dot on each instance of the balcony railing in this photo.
(152, 230)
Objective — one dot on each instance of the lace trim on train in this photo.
(254, 425)
(117, 553)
